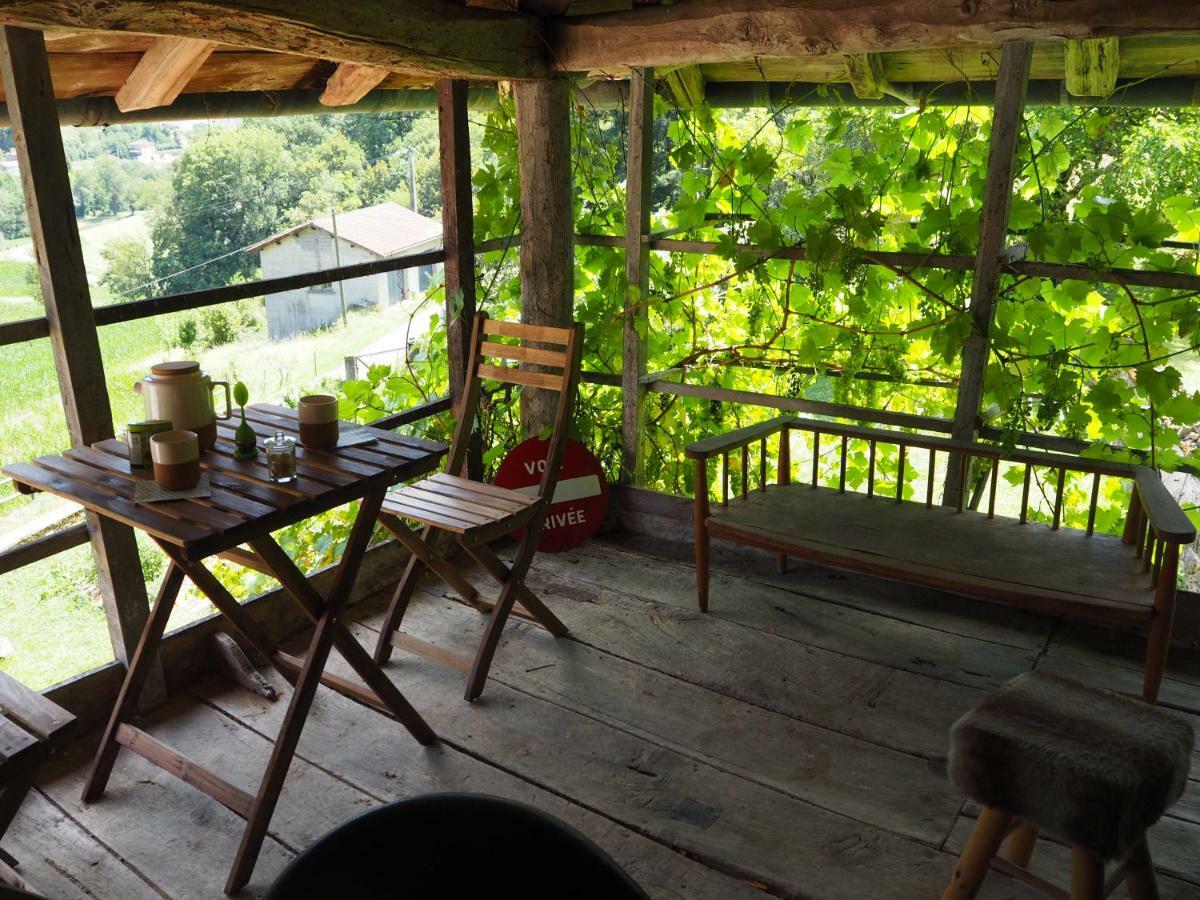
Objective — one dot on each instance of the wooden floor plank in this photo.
(901, 710)
(843, 629)
(363, 749)
(878, 786)
(718, 818)
(61, 860)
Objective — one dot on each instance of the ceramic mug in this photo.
(319, 421)
(176, 458)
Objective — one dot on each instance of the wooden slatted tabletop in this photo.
(245, 503)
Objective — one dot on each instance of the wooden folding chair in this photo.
(473, 514)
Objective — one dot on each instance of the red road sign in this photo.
(580, 497)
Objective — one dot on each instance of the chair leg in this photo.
(399, 605)
(1087, 875)
(986, 838)
(1018, 849)
(11, 798)
(504, 604)
(1141, 883)
(781, 560)
(495, 566)
(702, 567)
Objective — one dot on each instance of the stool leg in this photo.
(986, 838)
(1141, 882)
(1018, 849)
(1087, 875)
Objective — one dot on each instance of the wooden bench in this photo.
(31, 729)
(1127, 581)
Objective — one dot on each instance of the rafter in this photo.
(163, 72)
(686, 84)
(1092, 66)
(350, 82)
(709, 31)
(865, 71)
(416, 36)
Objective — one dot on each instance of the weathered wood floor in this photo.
(791, 743)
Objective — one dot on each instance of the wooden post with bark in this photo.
(547, 228)
(72, 325)
(1011, 82)
(639, 168)
(458, 239)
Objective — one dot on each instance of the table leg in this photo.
(135, 679)
(327, 631)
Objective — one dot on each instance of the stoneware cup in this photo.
(319, 421)
(176, 458)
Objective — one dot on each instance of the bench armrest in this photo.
(723, 443)
(1168, 520)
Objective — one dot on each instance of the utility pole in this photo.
(337, 259)
(412, 179)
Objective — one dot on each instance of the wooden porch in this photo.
(789, 743)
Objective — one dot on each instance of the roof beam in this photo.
(707, 31)
(1091, 66)
(350, 82)
(432, 37)
(163, 72)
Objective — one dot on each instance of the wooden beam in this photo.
(989, 261)
(163, 72)
(638, 184)
(686, 84)
(1091, 66)
(72, 325)
(424, 36)
(458, 240)
(547, 232)
(350, 82)
(865, 71)
(695, 32)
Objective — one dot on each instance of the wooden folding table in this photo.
(245, 507)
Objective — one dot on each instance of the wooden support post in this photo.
(73, 339)
(458, 240)
(547, 228)
(637, 270)
(1011, 82)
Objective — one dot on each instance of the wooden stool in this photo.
(31, 728)
(1091, 768)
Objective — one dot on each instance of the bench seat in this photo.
(1067, 572)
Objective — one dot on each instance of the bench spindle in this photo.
(785, 457)
(745, 469)
(964, 467)
(1143, 533)
(725, 478)
(932, 475)
(1148, 549)
(900, 476)
(816, 455)
(1091, 526)
(1129, 534)
(1157, 553)
(842, 473)
(992, 491)
(1058, 497)
(762, 464)
(871, 470)
(1025, 493)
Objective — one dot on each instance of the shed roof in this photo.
(385, 229)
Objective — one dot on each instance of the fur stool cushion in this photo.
(1089, 767)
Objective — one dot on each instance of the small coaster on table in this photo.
(147, 491)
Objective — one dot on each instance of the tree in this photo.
(13, 223)
(105, 187)
(130, 270)
(228, 190)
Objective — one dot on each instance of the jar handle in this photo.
(228, 399)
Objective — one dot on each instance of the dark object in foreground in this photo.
(1090, 768)
(430, 846)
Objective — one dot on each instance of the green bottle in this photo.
(244, 437)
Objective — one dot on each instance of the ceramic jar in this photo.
(183, 395)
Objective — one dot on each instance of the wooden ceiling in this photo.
(346, 50)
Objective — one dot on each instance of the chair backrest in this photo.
(554, 354)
